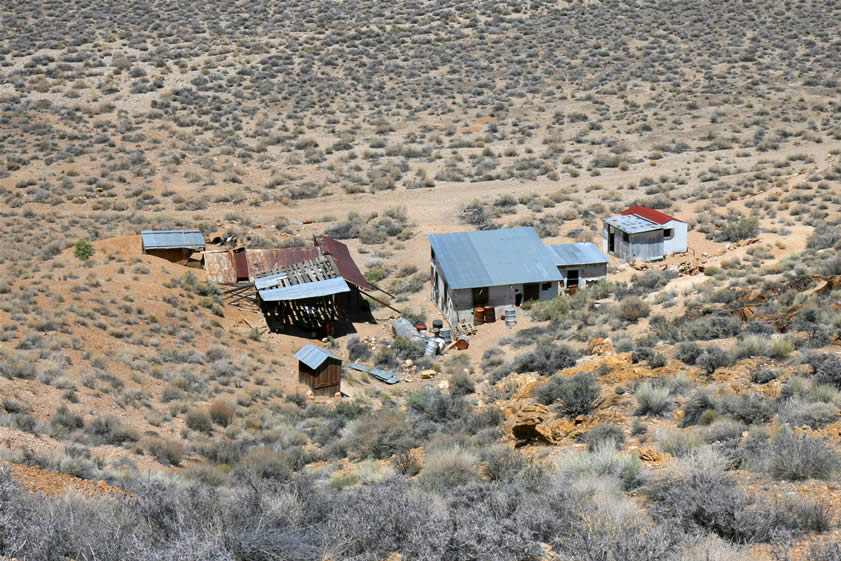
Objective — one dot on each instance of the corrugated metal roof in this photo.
(315, 289)
(650, 214)
(314, 356)
(220, 265)
(344, 262)
(172, 239)
(494, 258)
(578, 254)
(265, 260)
(632, 223)
(269, 281)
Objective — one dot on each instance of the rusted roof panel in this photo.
(220, 267)
(261, 261)
(344, 262)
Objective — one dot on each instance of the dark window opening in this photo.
(546, 286)
(572, 278)
(625, 237)
(531, 292)
(667, 233)
(480, 296)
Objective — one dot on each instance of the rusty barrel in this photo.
(479, 315)
(462, 342)
(490, 314)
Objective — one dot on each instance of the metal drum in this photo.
(479, 315)
(445, 334)
(490, 314)
(431, 348)
(510, 316)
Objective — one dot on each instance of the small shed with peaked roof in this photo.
(645, 234)
(320, 370)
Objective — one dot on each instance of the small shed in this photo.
(176, 246)
(579, 264)
(320, 370)
(674, 231)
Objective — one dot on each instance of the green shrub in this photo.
(546, 359)
(688, 352)
(198, 421)
(796, 457)
(577, 395)
(447, 468)
(633, 308)
(604, 432)
(652, 401)
(83, 250)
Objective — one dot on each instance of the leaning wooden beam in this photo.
(380, 289)
(387, 305)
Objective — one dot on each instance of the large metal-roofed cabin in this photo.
(176, 246)
(579, 264)
(320, 370)
(498, 268)
(643, 233)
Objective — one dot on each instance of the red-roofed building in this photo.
(645, 234)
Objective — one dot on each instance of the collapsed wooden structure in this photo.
(317, 289)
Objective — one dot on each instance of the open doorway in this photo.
(611, 242)
(532, 292)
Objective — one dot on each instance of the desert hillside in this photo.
(685, 408)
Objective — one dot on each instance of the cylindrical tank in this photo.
(404, 328)
(490, 314)
(510, 316)
(431, 348)
(479, 315)
(437, 324)
(445, 334)
(463, 342)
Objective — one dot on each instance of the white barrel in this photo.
(510, 316)
(431, 348)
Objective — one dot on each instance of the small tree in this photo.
(83, 250)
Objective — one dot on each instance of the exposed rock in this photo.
(599, 346)
(427, 374)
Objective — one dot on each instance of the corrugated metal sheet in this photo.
(578, 254)
(650, 214)
(494, 258)
(269, 281)
(344, 262)
(632, 224)
(306, 290)
(314, 356)
(262, 261)
(220, 267)
(172, 239)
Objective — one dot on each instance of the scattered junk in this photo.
(490, 269)
(579, 264)
(176, 246)
(432, 342)
(643, 233)
(382, 375)
(320, 370)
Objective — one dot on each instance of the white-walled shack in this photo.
(579, 264)
(645, 234)
(496, 268)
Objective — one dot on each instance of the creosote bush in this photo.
(575, 395)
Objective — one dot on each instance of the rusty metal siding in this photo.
(241, 265)
(261, 261)
(220, 267)
(344, 262)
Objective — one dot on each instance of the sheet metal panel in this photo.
(314, 356)
(306, 290)
(262, 261)
(344, 262)
(269, 281)
(494, 258)
(650, 214)
(172, 239)
(632, 224)
(578, 254)
(219, 266)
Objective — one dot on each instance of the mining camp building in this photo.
(643, 233)
(490, 268)
(176, 246)
(320, 370)
(579, 264)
